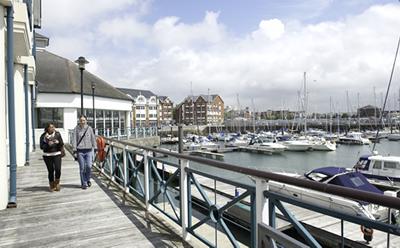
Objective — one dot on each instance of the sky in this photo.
(251, 53)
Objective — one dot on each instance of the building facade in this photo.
(17, 87)
(144, 107)
(59, 98)
(369, 111)
(165, 111)
(201, 110)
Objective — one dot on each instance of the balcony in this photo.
(23, 35)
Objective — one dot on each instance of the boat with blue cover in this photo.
(337, 176)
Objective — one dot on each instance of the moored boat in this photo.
(353, 138)
(341, 177)
(380, 170)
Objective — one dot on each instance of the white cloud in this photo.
(169, 32)
(272, 29)
(267, 64)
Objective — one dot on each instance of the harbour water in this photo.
(298, 162)
(345, 156)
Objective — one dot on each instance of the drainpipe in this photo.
(12, 203)
(33, 119)
(33, 97)
(27, 145)
(34, 45)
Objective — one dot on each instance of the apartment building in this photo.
(165, 110)
(144, 108)
(201, 110)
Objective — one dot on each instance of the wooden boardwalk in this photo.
(96, 217)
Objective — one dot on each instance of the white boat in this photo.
(341, 177)
(236, 142)
(298, 145)
(353, 138)
(267, 145)
(394, 137)
(380, 170)
(323, 145)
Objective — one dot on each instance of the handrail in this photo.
(355, 194)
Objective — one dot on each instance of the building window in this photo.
(46, 115)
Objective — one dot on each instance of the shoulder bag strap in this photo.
(80, 140)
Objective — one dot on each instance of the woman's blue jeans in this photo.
(85, 160)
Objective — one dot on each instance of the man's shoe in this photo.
(84, 187)
(89, 183)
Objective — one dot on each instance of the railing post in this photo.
(136, 131)
(125, 168)
(146, 179)
(184, 198)
(129, 133)
(144, 132)
(111, 160)
(262, 208)
(118, 133)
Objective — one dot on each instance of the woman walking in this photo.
(52, 145)
(83, 144)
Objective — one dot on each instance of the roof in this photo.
(205, 97)
(41, 40)
(369, 107)
(40, 36)
(56, 74)
(385, 158)
(136, 92)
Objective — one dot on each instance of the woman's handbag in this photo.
(62, 152)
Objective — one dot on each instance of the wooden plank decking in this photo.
(96, 217)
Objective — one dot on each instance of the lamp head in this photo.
(93, 85)
(81, 61)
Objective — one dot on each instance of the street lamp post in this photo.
(94, 111)
(81, 61)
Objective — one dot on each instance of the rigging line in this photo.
(387, 93)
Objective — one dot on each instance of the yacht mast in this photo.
(330, 114)
(376, 123)
(305, 104)
(358, 111)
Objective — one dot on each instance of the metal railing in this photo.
(195, 193)
(122, 133)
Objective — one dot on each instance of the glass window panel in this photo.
(377, 165)
(46, 115)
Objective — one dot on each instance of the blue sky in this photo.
(257, 49)
(243, 16)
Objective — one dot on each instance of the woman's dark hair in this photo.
(84, 116)
(48, 125)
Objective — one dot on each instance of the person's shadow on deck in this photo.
(46, 188)
(136, 213)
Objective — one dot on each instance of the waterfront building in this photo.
(144, 107)
(165, 110)
(59, 99)
(369, 111)
(201, 110)
(17, 80)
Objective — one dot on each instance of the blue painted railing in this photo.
(192, 193)
(123, 134)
